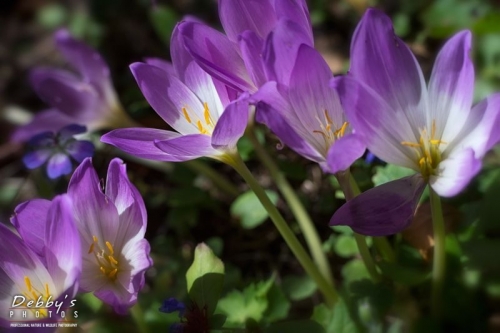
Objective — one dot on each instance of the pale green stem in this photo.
(305, 223)
(351, 190)
(138, 317)
(195, 165)
(439, 264)
(328, 291)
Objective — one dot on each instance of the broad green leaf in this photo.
(345, 246)
(298, 287)
(205, 278)
(390, 172)
(354, 270)
(248, 209)
(277, 304)
(298, 326)
(337, 320)
(164, 20)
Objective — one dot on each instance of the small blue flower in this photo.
(58, 150)
(171, 305)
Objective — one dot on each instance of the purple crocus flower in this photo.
(236, 58)
(58, 150)
(25, 277)
(112, 224)
(306, 113)
(430, 129)
(208, 116)
(87, 98)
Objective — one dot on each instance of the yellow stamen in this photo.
(186, 115)
(27, 282)
(110, 248)
(47, 293)
(328, 119)
(91, 248)
(112, 274)
(102, 270)
(206, 113)
(411, 144)
(95, 239)
(113, 260)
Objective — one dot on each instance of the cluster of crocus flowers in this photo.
(110, 226)
(85, 98)
(432, 129)
(42, 264)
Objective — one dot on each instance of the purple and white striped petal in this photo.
(58, 165)
(232, 124)
(189, 146)
(344, 152)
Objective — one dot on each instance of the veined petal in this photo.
(232, 124)
(383, 210)
(455, 173)
(59, 164)
(128, 202)
(281, 49)
(251, 47)
(344, 152)
(47, 120)
(84, 59)
(140, 142)
(237, 16)
(168, 96)
(30, 220)
(216, 54)
(167, 66)
(96, 215)
(381, 60)
(451, 87)
(189, 146)
(295, 11)
(63, 249)
(380, 127)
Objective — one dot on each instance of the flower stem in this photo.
(384, 248)
(306, 225)
(328, 291)
(138, 316)
(351, 190)
(439, 264)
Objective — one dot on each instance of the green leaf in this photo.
(390, 172)
(205, 278)
(164, 20)
(354, 270)
(375, 298)
(278, 305)
(248, 209)
(345, 246)
(336, 320)
(409, 276)
(298, 287)
(298, 326)
(251, 303)
(52, 16)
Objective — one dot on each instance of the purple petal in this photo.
(344, 152)
(167, 95)
(281, 48)
(30, 220)
(237, 16)
(63, 249)
(95, 214)
(80, 150)
(451, 86)
(140, 142)
(251, 47)
(59, 164)
(163, 64)
(75, 98)
(84, 59)
(295, 11)
(188, 146)
(36, 158)
(383, 210)
(128, 203)
(47, 120)
(381, 128)
(232, 124)
(43, 140)
(381, 60)
(455, 173)
(216, 54)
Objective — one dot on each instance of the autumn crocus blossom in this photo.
(432, 129)
(111, 224)
(43, 265)
(208, 116)
(85, 98)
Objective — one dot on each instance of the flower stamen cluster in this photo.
(209, 122)
(33, 294)
(106, 261)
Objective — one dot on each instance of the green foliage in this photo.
(390, 172)
(336, 320)
(205, 278)
(298, 287)
(248, 209)
(164, 20)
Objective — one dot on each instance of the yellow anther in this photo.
(112, 274)
(437, 142)
(27, 282)
(411, 144)
(200, 127)
(95, 239)
(113, 260)
(340, 132)
(47, 293)
(91, 249)
(110, 247)
(206, 113)
(328, 119)
(102, 270)
(186, 115)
